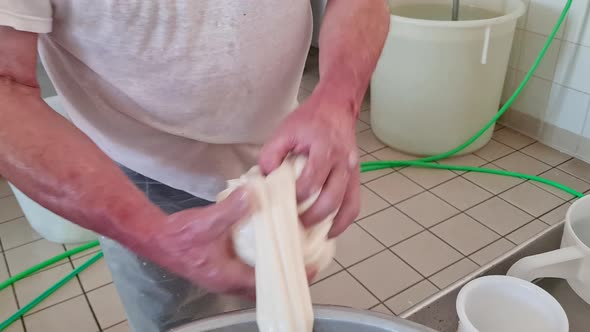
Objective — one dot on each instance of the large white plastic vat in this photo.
(48, 224)
(438, 82)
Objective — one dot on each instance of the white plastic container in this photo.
(572, 261)
(439, 81)
(507, 304)
(49, 225)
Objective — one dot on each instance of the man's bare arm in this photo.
(351, 39)
(53, 162)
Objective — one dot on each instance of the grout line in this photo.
(13, 219)
(405, 289)
(364, 286)
(386, 307)
(119, 323)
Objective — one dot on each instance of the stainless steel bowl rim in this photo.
(322, 312)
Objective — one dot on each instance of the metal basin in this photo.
(327, 319)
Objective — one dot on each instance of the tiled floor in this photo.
(418, 232)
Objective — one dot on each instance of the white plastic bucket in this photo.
(507, 304)
(48, 224)
(438, 82)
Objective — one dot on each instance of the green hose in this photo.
(365, 167)
(46, 263)
(17, 315)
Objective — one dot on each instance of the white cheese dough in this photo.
(274, 241)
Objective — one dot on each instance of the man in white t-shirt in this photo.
(181, 95)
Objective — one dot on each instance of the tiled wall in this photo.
(554, 108)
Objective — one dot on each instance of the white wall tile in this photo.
(522, 20)
(516, 48)
(532, 44)
(509, 86)
(542, 16)
(573, 67)
(567, 109)
(534, 98)
(577, 28)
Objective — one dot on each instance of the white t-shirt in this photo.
(182, 91)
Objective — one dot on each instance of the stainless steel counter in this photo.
(439, 313)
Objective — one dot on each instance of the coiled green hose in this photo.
(365, 167)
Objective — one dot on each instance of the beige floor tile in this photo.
(29, 288)
(492, 251)
(394, 187)
(520, 162)
(106, 305)
(426, 253)
(527, 232)
(23, 257)
(97, 275)
(512, 138)
(382, 310)
(453, 273)
(72, 315)
(368, 176)
(390, 154)
(461, 193)
(368, 141)
(122, 327)
(303, 95)
(555, 216)
(385, 274)
(355, 245)
(499, 215)
(361, 126)
(465, 160)
(546, 154)
(532, 199)
(3, 269)
(427, 209)
(7, 303)
(494, 150)
(370, 203)
(332, 269)
(83, 253)
(492, 182)
(565, 179)
(390, 226)
(17, 232)
(341, 289)
(428, 178)
(365, 116)
(366, 105)
(309, 80)
(16, 327)
(4, 188)
(361, 152)
(464, 234)
(411, 296)
(9, 209)
(577, 168)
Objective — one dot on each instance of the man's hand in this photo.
(324, 130)
(197, 245)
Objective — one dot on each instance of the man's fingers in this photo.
(218, 218)
(274, 152)
(350, 207)
(315, 173)
(330, 197)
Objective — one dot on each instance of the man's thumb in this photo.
(236, 207)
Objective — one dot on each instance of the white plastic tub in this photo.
(49, 225)
(438, 82)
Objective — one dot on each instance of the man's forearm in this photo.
(351, 39)
(61, 168)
